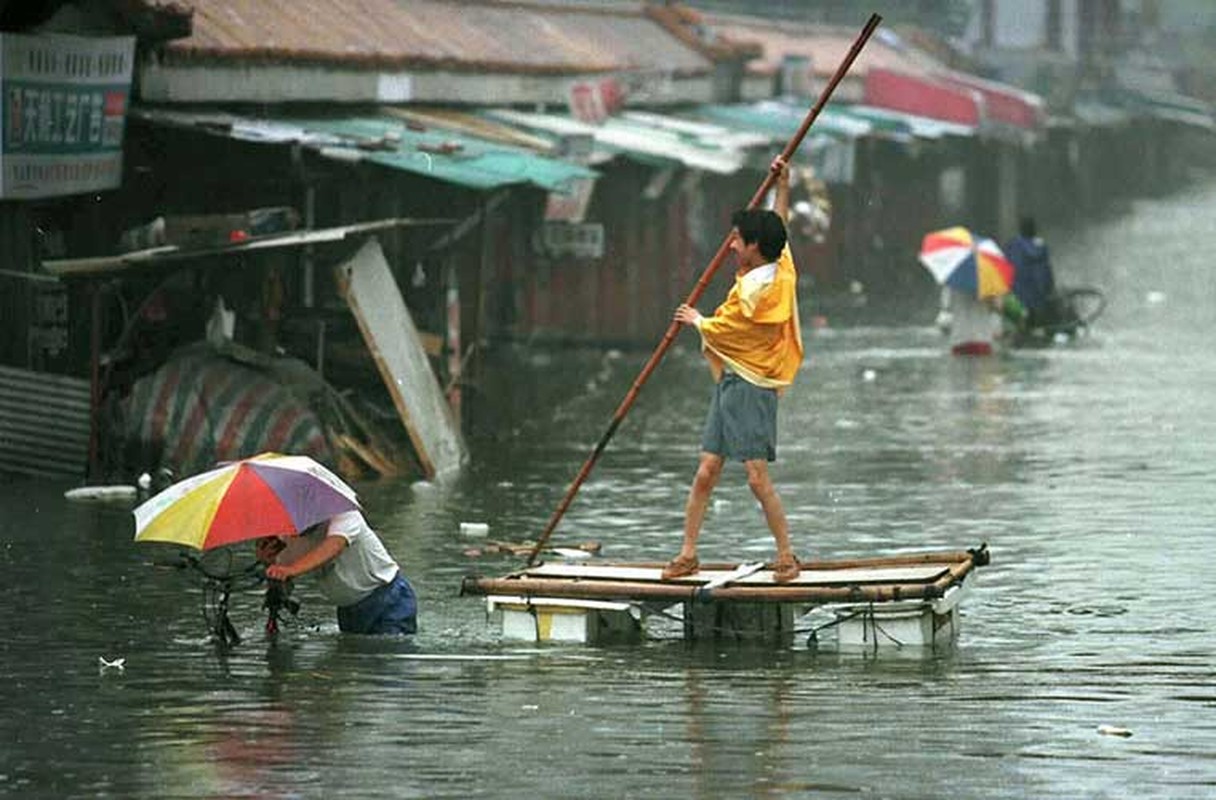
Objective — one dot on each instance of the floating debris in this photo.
(1114, 730)
(120, 493)
(571, 553)
(119, 664)
(474, 529)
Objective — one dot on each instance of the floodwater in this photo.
(1088, 470)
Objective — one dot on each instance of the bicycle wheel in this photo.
(1085, 302)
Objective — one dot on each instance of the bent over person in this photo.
(353, 570)
(753, 343)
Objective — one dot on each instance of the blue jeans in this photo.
(392, 608)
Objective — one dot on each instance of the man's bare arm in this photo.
(781, 202)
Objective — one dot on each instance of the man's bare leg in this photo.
(709, 470)
(762, 487)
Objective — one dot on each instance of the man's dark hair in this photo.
(763, 227)
(1027, 228)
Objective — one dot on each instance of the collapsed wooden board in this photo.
(395, 345)
(889, 579)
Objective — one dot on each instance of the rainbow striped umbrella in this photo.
(969, 263)
(266, 495)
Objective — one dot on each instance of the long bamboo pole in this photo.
(699, 288)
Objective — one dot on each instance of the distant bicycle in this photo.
(1068, 316)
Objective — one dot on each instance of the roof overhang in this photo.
(94, 266)
(164, 81)
(649, 137)
(923, 96)
(390, 142)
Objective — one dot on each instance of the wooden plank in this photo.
(393, 340)
(99, 265)
(671, 590)
(855, 575)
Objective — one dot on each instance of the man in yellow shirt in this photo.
(753, 343)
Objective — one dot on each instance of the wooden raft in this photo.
(923, 576)
(925, 586)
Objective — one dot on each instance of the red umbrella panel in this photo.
(959, 259)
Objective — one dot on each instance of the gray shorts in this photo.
(742, 421)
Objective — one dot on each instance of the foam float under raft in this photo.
(902, 600)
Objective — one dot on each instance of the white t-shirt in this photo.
(974, 322)
(362, 567)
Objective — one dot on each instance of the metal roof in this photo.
(652, 138)
(448, 156)
(783, 119)
(461, 35)
(829, 144)
(824, 45)
(918, 126)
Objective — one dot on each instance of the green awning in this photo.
(443, 155)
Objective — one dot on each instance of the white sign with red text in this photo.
(63, 113)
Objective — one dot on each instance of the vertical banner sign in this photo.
(63, 113)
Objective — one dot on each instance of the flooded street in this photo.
(1088, 469)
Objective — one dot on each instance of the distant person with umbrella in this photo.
(975, 277)
(353, 570)
(1033, 282)
(753, 343)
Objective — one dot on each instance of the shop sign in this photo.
(64, 110)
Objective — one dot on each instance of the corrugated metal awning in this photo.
(44, 423)
(782, 119)
(1169, 106)
(1003, 104)
(652, 138)
(924, 96)
(448, 156)
(918, 126)
(829, 143)
(1095, 113)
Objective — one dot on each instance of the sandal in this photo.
(786, 569)
(681, 566)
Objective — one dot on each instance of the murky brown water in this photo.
(1088, 470)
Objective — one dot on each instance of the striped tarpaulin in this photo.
(201, 409)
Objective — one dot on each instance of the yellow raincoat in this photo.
(756, 332)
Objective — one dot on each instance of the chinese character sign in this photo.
(64, 106)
